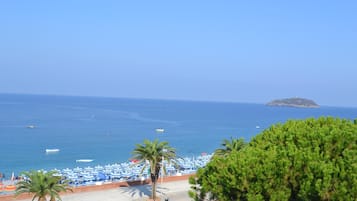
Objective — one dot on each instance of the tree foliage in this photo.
(42, 184)
(229, 146)
(312, 159)
(154, 152)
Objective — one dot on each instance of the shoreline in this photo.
(177, 186)
(87, 173)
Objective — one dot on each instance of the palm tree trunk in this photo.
(153, 190)
(154, 178)
(42, 198)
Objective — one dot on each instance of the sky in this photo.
(235, 51)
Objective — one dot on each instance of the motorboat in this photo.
(160, 130)
(52, 150)
(84, 160)
(30, 126)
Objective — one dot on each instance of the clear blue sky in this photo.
(241, 51)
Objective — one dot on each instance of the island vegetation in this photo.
(294, 102)
(312, 159)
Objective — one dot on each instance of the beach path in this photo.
(175, 190)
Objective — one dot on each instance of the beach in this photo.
(172, 188)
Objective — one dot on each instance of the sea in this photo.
(106, 130)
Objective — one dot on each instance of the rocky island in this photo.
(294, 102)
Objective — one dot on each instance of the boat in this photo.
(160, 130)
(30, 126)
(52, 150)
(84, 160)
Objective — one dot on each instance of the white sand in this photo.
(174, 191)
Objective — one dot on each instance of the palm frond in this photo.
(153, 153)
(234, 144)
(42, 184)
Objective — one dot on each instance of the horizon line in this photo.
(151, 98)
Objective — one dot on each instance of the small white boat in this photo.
(160, 130)
(84, 160)
(30, 126)
(52, 150)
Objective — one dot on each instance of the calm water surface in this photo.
(107, 129)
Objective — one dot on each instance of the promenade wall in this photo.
(11, 197)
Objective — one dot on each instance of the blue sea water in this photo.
(107, 129)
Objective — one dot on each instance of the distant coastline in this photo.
(294, 102)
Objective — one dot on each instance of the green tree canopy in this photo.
(154, 152)
(42, 184)
(312, 159)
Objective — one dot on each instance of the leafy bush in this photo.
(312, 159)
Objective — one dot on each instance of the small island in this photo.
(294, 102)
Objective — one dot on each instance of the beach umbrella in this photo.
(102, 176)
(12, 176)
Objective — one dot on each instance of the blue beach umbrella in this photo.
(102, 176)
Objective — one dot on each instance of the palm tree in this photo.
(153, 152)
(42, 184)
(229, 146)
